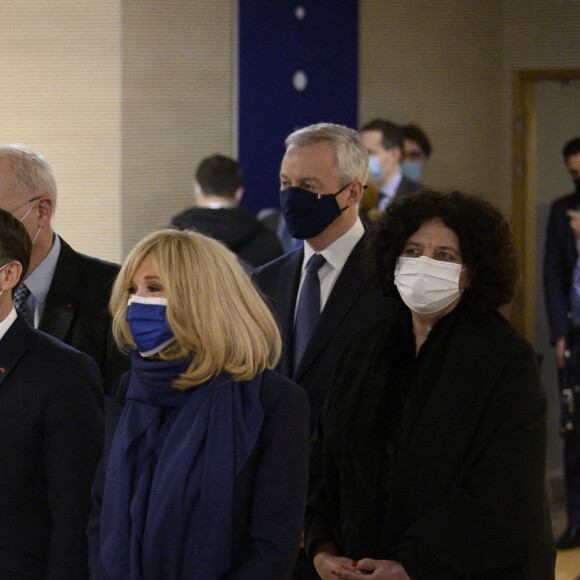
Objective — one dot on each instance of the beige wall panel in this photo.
(438, 64)
(537, 35)
(60, 94)
(178, 104)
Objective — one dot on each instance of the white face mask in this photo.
(426, 285)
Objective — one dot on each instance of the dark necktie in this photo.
(19, 300)
(308, 310)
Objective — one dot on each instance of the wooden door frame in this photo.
(523, 171)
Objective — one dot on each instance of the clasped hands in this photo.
(331, 567)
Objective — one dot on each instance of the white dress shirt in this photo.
(388, 191)
(7, 322)
(336, 255)
(39, 280)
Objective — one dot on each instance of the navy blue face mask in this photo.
(147, 320)
(308, 214)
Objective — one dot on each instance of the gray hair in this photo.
(352, 159)
(33, 175)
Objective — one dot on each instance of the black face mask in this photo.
(577, 185)
(308, 214)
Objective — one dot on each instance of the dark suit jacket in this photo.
(351, 304)
(51, 424)
(559, 260)
(269, 491)
(76, 310)
(406, 187)
(462, 496)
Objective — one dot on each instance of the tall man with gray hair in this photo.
(65, 294)
(318, 292)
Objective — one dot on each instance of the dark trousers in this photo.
(569, 379)
(572, 478)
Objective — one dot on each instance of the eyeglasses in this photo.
(23, 204)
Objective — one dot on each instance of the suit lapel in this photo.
(62, 299)
(349, 286)
(288, 282)
(13, 345)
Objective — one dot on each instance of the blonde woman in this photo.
(205, 475)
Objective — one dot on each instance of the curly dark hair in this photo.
(484, 237)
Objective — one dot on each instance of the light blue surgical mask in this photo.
(412, 169)
(375, 168)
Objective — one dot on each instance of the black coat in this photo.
(237, 228)
(51, 431)
(269, 491)
(351, 304)
(77, 310)
(463, 496)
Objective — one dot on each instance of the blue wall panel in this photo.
(277, 40)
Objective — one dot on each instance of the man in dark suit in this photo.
(384, 143)
(321, 180)
(50, 435)
(562, 297)
(66, 294)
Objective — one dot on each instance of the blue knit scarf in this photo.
(167, 505)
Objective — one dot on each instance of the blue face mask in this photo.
(412, 169)
(147, 318)
(375, 168)
(308, 214)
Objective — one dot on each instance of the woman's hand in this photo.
(376, 569)
(327, 565)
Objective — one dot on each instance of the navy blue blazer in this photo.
(559, 260)
(351, 305)
(76, 310)
(51, 432)
(269, 492)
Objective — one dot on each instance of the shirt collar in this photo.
(38, 282)
(337, 253)
(7, 323)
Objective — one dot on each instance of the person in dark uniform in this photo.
(562, 296)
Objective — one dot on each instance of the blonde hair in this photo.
(215, 312)
(352, 159)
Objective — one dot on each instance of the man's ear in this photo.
(355, 191)
(12, 274)
(45, 210)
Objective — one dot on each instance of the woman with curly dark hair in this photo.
(428, 458)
